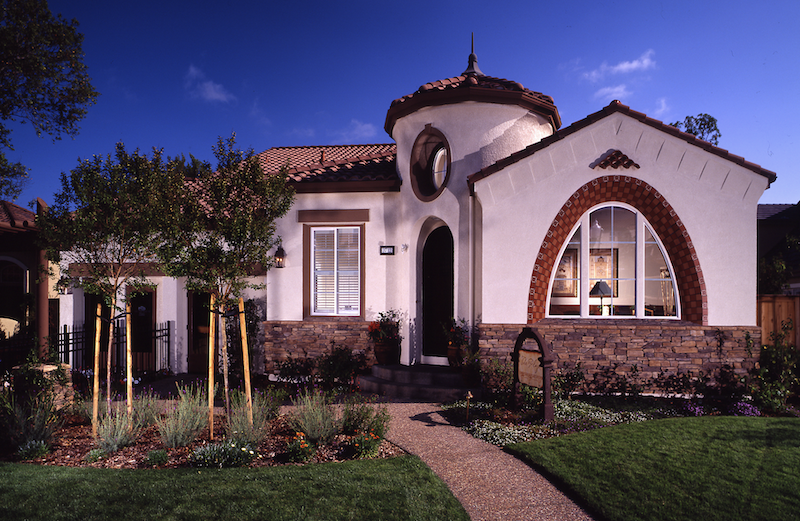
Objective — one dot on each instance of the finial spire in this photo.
(472, 68)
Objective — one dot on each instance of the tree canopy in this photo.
(703, 126)
(106, 224)
(226, 226)
(43, 80)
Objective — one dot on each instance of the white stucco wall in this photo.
(715, 199)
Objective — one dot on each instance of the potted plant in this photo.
(385, 335)
(459, 335)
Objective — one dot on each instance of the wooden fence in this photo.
(773, 310)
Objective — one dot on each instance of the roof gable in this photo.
(613, 108)
(14, 218)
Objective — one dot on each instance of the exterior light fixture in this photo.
(280, 257)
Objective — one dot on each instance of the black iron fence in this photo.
(75, 346)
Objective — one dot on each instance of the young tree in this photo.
(703, 127)
(105, 226)
(43, 80)
(226, 230)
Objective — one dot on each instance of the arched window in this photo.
(613, 265)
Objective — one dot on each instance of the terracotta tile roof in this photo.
(14, 218)
(340, 168)
(473, 87)
(611, 108)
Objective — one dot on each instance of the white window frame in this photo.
(583, 277)
(339, 305)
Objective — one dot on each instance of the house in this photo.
(778, 233)
(24, 299)
(621, 239)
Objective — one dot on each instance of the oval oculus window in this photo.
(430, 164)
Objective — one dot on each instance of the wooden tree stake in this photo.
(211, 335)
(96, 383)
(246, 361)
(129, 361)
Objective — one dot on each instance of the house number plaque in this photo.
(387, 250)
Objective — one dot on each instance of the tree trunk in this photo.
(223, 340)
(110, 350)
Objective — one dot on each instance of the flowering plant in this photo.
(458, 332)
(365, 444)
(299, 450)
(386, 328)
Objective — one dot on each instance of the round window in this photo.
(430, 164)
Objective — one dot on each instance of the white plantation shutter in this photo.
(337, 271)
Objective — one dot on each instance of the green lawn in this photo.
(707, 468)
(389, 489)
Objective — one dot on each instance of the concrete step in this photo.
(416, 383)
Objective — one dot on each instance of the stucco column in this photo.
(42, 304)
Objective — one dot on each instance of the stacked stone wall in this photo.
(652, 346)
(312, 339)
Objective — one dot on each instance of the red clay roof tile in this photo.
(370, 167)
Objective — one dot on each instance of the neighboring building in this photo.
(24, 302)
(622, 239)
(778, 236)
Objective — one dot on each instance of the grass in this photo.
(400, 488)
(709, 468)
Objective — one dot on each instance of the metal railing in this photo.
(75, 347)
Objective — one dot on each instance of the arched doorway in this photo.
(437, 291)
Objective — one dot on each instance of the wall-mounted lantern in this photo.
(280, 257)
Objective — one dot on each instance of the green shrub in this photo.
(340, 366)
(776, 375)
(299, 371)
(32, 418)
(117, 430)
(315, 417)
(266, 406)
(94, 455)
(568, 381)
(185, 418)
(532, 397)
(32, 450)
(497, 379)
(157, 458)
(360, 415)
(226, 454)
(148, 408)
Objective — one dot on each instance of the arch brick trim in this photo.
(662, 217)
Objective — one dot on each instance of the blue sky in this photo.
(176, 74)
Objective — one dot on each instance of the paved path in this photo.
(491, 484)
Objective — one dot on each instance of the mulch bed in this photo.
(73, 442)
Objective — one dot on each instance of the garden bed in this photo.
(73, 442)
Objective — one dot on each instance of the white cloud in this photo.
(609, 94)
(357, 131)
(204, 89)
(662, 108)
(643, 63)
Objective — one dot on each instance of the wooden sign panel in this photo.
(530, 368)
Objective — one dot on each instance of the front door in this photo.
(198, 332)
(142, 327)
(437, 291)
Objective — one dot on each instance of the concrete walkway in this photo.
(489, 483)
